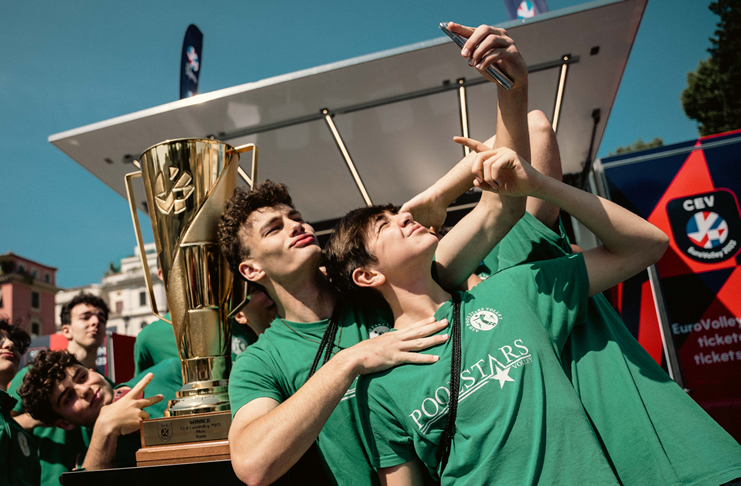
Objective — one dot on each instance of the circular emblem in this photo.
(165, 432)
(192, 58)
(23, 443)
(483, 319)
(239, 344)
(378, 329)
(707, 229)
(525, 10)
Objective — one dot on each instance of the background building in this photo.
(27, 291)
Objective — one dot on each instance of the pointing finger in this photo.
(139, 387)
(474, 145)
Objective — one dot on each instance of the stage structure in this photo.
(379, 128)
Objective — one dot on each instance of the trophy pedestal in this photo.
(187, 438)
(214, 450)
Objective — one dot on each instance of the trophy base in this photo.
(170, 431)
(216, 450)
(199, 398)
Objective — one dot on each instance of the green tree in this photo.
(637, 145)
(713, 93)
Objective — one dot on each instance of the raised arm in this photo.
(460, 252)
(266, 437)
(629, 242)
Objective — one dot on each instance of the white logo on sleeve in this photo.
(23, 443)
(483, 319)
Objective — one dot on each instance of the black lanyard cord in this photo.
(455, 378)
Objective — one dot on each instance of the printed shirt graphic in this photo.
(693, 450)
(278, 365)
(519, 419)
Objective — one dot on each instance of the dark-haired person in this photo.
(531, 427)
(18, 453)
(59, 390)
(280, 409)
(83, 321)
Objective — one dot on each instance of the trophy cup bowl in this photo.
(187, 183)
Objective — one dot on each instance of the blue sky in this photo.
(69, 64)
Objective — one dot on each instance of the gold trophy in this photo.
(187, 183)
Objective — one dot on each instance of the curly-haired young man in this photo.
(17, 447)
(60, 391)
(83, 324)
(280, 406)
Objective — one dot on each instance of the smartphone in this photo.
(495, 73)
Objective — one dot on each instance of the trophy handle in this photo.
(252, 178)
(140, 242)
(245, 299)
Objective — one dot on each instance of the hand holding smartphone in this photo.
(501, 78)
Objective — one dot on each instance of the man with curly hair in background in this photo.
(59, 390)
(83, 321)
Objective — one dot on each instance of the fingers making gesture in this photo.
(126, 414)
(501, 170)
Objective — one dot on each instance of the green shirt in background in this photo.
(278, 365)
(651, 430)
(156, 343)
(519, 419)
(58, 448)
(18, 452)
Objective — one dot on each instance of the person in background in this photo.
(18, 451)
(83, 321)
(60, 391)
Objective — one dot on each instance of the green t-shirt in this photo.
(651, 430)
(278, 365)
(59, 449)
(156, 343)
(19, 455)
(519, 420)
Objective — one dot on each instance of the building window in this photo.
(34, 273)
(142, 299)
(35, 300)
(143, 324)
(47, 278)
(21, 269)
(35, 329)
(119, 307)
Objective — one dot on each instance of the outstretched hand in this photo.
(398, 347)
(125, 415)
(501, 170)
(486, 46)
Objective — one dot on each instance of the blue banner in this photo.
(517, 9)
(190, 62)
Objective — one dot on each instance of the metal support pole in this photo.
(464, 112)
(559, 92)
(670, 353)
(346, 155)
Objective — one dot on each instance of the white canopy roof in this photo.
(396, 112)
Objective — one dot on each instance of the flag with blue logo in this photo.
(190, 62)
(517, 9)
